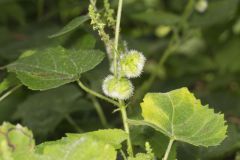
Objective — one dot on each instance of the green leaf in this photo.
(84, 148)
(229, 146)
(17, 143)
(18, 137)
(53, 67)
(73, 24)
(113, 137)
(170, 112)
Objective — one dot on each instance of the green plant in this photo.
(177, 114)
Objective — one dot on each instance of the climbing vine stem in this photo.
(126, 127)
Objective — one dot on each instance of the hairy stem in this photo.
(168, 149)
(122, 105)
(9, 92)
(117, 32)
(73, 123)
(100, 112)
(88, 90)
(126, 127)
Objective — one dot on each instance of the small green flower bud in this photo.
(132, 64)
(201, 6)
(118, 88)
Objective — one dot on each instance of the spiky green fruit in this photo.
(132, 64)
(118, 88)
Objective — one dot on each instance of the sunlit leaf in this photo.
(170, 112)
(110, 136)
(99, 145)
(16, 143)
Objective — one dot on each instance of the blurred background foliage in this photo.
(203, 53)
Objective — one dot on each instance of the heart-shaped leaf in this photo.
(53, 67)
(180, 116)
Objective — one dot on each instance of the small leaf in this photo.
(18, 139)
(73, 24)
(113, 137)
(16, 143)
(179, 115)
(53, 67)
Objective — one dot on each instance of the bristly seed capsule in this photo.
(118, 88)
(132, 64)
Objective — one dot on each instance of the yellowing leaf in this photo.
(179, 115)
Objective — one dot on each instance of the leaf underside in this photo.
(179, 115)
